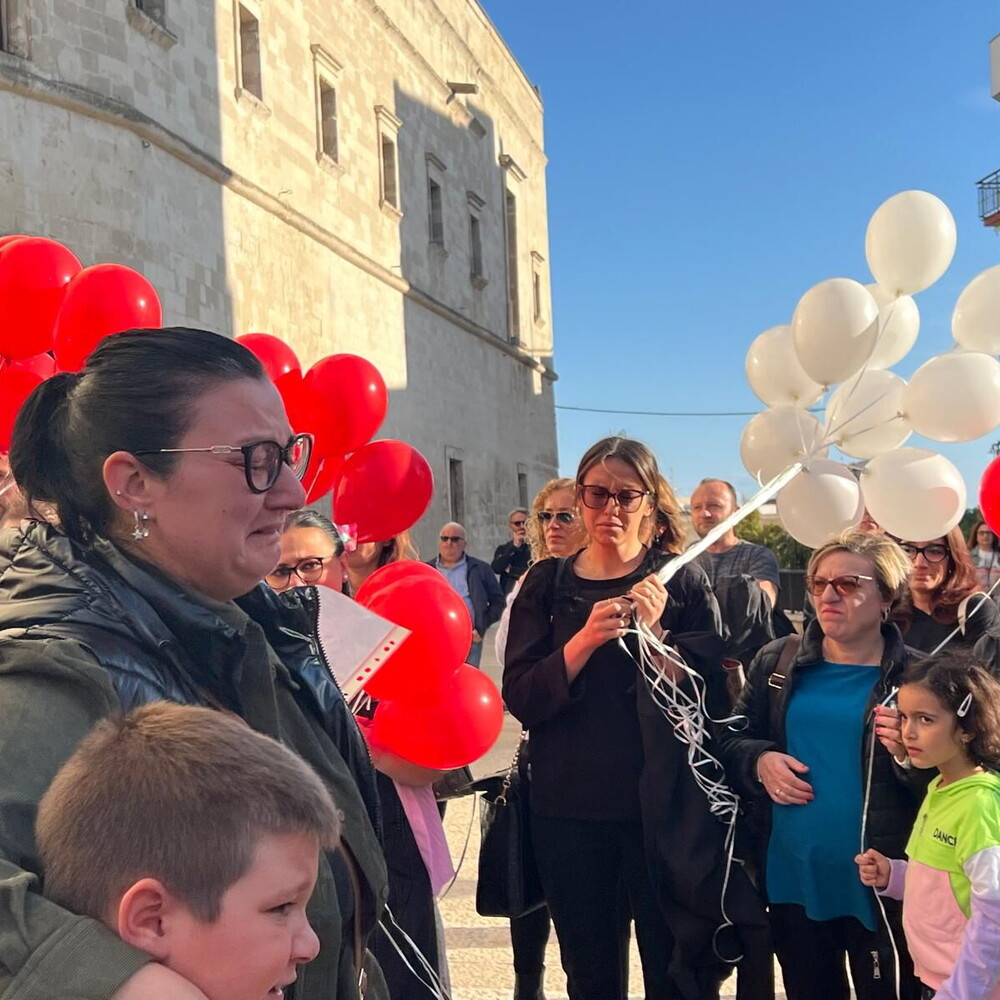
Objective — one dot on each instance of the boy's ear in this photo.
(143, 917)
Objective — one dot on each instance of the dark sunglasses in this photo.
(933, 553)
(843, 585)
(517, 524)
(562, 516)
(262, 460)
(452, 538)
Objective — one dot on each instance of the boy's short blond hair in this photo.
(176, 793)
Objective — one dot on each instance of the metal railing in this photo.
(989, 197)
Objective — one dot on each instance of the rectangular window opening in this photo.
(522, 489)
(250, 66)
(435, 212)
(475, 246)
(536, 295)
(390, 194)
(155, 9)
(456, 490)
(513, 307)
(328, 119)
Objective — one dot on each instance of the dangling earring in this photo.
(140, 531)
(885, 613)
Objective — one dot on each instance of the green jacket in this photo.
(85, 633)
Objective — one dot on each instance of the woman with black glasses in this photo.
(312, 552)
(569, 680)
(821, 784)
(171, 467)
(944, 596)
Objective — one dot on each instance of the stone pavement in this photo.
(479, 952)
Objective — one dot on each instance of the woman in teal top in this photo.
(811, 757)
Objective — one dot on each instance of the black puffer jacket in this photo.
(895, 793)
(84, 631)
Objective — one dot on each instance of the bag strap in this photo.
(508, 778)
(779, 677)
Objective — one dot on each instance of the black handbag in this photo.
(508, 884)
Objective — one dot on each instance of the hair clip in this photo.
(963, 709)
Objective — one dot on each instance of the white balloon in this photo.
(824, 499)
(834, 328)
(774, 372)
(975, 323)
(863, 415)
(777, 438)
(954, 397)
(898, 326)
(910, 242)
(913, 493)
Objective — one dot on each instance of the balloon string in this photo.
(961, 624)
(723, 527)
(831, 434)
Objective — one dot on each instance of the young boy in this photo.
(196, 840)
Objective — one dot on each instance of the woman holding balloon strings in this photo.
(944, 595)
(810, 760)
(570, 681)
(172, 467)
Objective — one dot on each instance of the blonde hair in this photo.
(536, 536)
(890, 566)
(176, 793)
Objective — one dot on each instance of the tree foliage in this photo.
(790, 553)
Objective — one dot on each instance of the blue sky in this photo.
(708, 163)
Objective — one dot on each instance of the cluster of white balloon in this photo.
(844, 336)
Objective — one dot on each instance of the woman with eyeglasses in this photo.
(984, 550)
(312, 552)
(570, 680)
(171, 466)
(945, 596)
(815, 762)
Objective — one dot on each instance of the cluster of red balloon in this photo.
(55, 312)
(434, 709)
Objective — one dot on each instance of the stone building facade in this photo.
(348, 175)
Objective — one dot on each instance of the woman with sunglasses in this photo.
(171, 466)
(818, 780)
(944, 597)
(570, 680)
(312, 552)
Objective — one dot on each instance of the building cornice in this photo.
(17, 78)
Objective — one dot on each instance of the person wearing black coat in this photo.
(819, 782)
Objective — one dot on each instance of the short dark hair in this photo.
(146, 793)
(307, 517)
(136, 393)
(952, 677)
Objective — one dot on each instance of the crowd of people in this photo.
(189, 810)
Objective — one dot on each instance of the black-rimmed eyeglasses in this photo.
(933, 553)
(562, 516)
(262, 460)
(308, 570)
(597, 497)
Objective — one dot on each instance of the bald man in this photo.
(473, 581)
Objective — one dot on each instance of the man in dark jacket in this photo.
(510, 561)
(473, 580)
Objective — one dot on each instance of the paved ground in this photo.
(479, 947)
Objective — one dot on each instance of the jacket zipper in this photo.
(876, 970)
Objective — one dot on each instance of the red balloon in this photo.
(455, 730)
(439, 640)
(346, 400)
(384, 489)
(326, 476)
(4, 240)
(404, 569)
(274, 354)
(34, 275)
(989, 495)
(15, 387)
(42, 365)
(101, 300)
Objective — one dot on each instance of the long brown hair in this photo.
(960, 582)
(664, 528)
(974, 544)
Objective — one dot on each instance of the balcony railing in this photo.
(989, 199)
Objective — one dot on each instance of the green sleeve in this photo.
(51, 693)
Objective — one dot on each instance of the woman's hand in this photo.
(650, 599)
(874, 868)
(778, 773)
(607, 620)
(157, 982)
(888, 730)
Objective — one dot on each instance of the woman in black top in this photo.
(569, 679)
